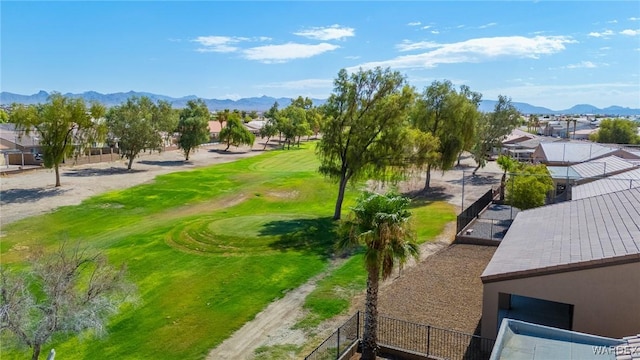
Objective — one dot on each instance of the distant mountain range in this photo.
(263, 103)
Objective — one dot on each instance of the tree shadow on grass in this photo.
(231, 151)
(425, 197)
(477, 180)
(312, 236)
(99, 172)
(16, 196)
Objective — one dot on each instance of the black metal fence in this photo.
(472, 211)
(428, 340)
(336, 344)
(401, 335)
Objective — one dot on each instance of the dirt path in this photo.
(273, 326)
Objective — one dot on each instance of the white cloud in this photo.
(414, 23)
(581, 65)
(634, 18)
(352, 57)
(222, 44)
(285, 52)
(333, 32)
(605, 33)
(612, 22)
(435, 32)
(487, 25)
(477, 50)
(426, 27)
(630, 32)
(300, 84)
(407, 45)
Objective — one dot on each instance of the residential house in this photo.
(17, 147)
(625, 180)
(573, 265)
(566, 177)
(567, 152)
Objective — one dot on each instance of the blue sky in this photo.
(546, 53)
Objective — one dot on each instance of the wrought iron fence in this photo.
(428, 340)
(472, 211)
(336, 344)
(406, 336)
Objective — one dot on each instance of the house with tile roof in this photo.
(565, 153)
(565, 178)
(623, 181)
(573, 265)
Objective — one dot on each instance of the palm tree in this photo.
(506, 163)
(381, 224)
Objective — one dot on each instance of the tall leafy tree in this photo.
(136, 125)
(193, 126)
(617, 131)
(447, 114)
(64, 293)
(63, 125)
(235, 133)
(381, 224)
(492, 128)
(507, 164)
(4, 117)
(315, 120)
(268, 130)
(293, 124)
(166, 121)
(528, 186)
(365, 127)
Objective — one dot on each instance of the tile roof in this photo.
(596, 231)
(631, 351)
(9, 133)
(602, 167)
(570, 152)
(518, 135)
(623, 181)
(533, 143)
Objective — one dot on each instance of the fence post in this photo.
(428, 338)
(338, 347)
(358, 325)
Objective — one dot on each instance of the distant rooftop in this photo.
(602, 167)
(623, 181)
(572, 152)
(597, 231)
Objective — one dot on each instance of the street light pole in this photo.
(462, 191)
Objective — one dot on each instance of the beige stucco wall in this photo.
(606, 300)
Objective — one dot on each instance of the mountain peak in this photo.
(264, 102)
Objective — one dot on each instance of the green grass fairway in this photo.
(208, 249)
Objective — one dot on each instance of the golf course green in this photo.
(207, 249)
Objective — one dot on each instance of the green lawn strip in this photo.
(334, 292)
(277, 352)
(190, 302)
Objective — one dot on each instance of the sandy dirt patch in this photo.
(33, 193)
